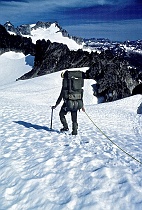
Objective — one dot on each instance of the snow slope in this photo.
(41, 169)
(13, 65)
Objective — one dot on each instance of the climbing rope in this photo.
(112, 141)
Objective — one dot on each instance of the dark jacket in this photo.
(60, 97)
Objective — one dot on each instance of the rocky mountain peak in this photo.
(10, 27)
(26, 29)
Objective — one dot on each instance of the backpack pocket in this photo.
(74, 105)
(76, 83)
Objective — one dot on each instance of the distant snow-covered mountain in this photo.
(105, 44)
(46, 30)
(55, 33)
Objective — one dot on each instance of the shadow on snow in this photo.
(37, 127)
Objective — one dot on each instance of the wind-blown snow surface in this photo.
(41, 169)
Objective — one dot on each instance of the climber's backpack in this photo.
(73, 83)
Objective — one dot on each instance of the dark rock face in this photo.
(52, 57)
(115, 80)
(112, 76)
(15, 42)
(24, 30)
(137, 89)
(41, 24)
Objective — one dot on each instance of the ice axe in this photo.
(51, 118)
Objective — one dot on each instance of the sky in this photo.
(116, 20)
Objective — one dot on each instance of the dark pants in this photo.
(62, 114)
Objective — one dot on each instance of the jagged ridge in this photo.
(111, 68)
(27, 28)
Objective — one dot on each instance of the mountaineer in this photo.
(72, 94)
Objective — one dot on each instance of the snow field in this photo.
(42, 169)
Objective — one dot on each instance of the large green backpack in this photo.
(73, 83)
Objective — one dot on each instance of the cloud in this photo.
(72, 13)
(47, 5)
(10, 1)
(70, 3)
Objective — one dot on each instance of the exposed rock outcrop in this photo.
(15, 42)
(115, 79)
